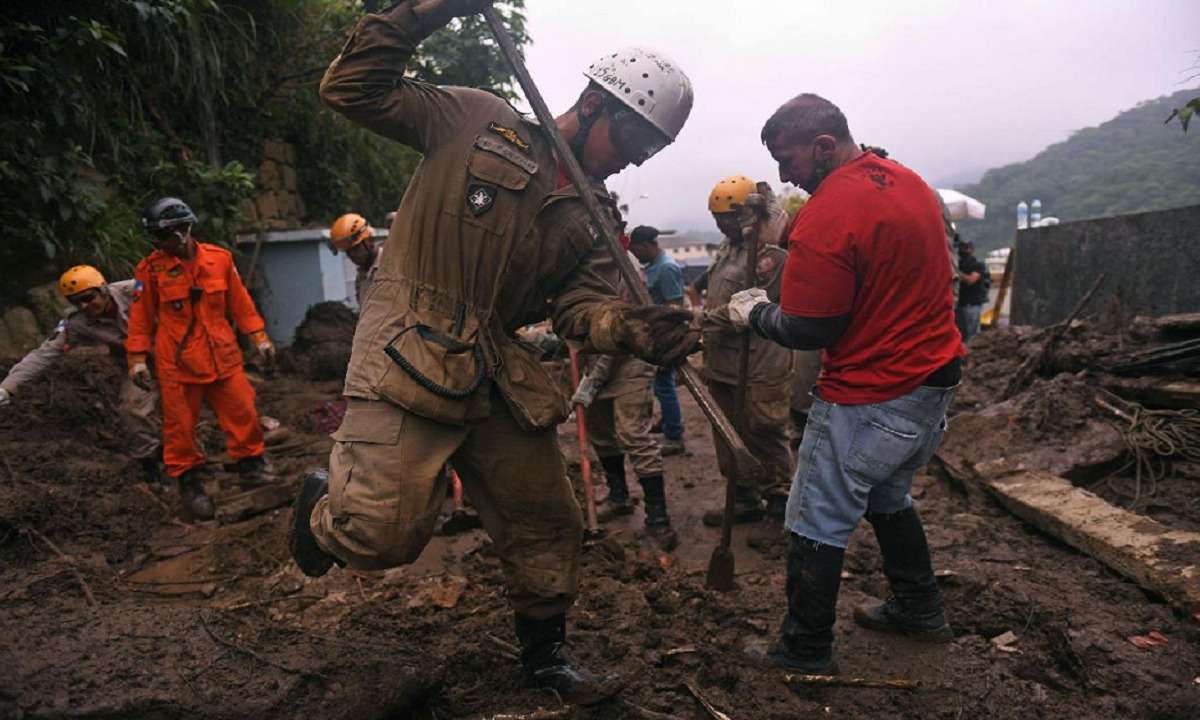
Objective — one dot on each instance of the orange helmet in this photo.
(348, 231)
(79, 279)
(730, 190)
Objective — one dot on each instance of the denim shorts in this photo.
(856, 459)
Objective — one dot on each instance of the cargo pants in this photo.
(621, 426)
(767, 414)
(386, 489)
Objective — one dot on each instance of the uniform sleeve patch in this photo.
(480, 198)
(137, 290)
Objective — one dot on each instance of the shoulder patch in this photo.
(480, 198)
(510, 136)
(137, 290)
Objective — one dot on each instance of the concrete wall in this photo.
(296, 276)
(1151, 261)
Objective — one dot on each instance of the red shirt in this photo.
(870, 243)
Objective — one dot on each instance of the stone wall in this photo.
(24, 327)
(278, 205)
(1151, 262)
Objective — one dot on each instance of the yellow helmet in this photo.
(79, 279)
(730, 190)
(348, 231)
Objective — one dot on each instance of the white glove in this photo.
(5, 398)
(586, 392)
(743, 303)
(140, 374)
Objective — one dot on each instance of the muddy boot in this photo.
(618, 502)
(546, 666)
(915, 605)
(746, 508)
(252, 471)
(814, 574)
(673, 446)
(309, 557)
(658, 523)
(197, 505)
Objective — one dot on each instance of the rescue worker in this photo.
(865, 281)
(769, 391)
(490, 236)
(352, 235)
(185, 295)
(100, 317)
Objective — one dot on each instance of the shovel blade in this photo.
(720, 570)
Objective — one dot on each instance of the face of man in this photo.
(93, 302)
(363, 253)
(644, 251)
(804, 165)
(618, 138)
(728, 225)
(174, 240)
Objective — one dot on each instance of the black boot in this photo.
(747, 507)
(309, 557)
(915, 605)
(252, 471)
(197, 505)
(618, 502)
(658, 523)
(814, 574)
(546, 666)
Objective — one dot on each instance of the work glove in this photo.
(266, 349)
(586, 392)
(761, 217)
(661, 335)
(5, 398)
(743, 303)
(139, 372)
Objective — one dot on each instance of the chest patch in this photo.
(480, 198)
(175, 271)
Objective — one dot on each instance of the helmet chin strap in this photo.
(585, 129)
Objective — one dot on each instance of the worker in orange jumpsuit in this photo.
(186, 292)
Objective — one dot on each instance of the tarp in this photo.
(962, 206)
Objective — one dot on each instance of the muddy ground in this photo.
(214, 622)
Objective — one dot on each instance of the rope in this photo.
(1155, 439)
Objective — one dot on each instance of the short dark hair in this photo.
(643, 234)
(800, 120)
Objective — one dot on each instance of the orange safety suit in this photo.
(186, 307)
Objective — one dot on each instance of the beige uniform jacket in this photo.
(770, 363)
(77, 328)
(483, 242)
(364, 276)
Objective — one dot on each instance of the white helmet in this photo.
(649, 83)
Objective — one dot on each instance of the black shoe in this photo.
(252, 471)
(309, 557)
(814, 575)
(776, 656)
(747, 508)
(197, 505)
(618, 502)
(673, 446)
(546, 666)
(915, 606)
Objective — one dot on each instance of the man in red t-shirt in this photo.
(865, 281)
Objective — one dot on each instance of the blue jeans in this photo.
(672, 416)
(967, 319)
(856, 459)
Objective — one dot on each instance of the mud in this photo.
(321, 347)
(215, 622)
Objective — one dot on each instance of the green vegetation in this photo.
(107, 105)
(1129, 164)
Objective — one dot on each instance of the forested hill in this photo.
(1129, 164)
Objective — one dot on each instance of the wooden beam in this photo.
(1177, 395)
(1154, 556)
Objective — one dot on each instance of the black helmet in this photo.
(166, 213)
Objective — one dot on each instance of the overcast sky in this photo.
(948, 87)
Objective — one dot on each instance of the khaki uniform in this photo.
(620, 418)
(768, 398)
(135, 407)
(364, 276)
(484, 242)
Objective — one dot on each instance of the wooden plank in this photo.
(1154, 556)
(1177, 395)
(232, 508)
(1180, 322)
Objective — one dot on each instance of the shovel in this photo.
(592, 531)
(460, 521)
(721, 564)
(721, 425)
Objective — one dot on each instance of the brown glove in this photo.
(663, 335)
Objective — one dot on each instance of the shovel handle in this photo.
(633, 281)
(585, 463)
(457, 489)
